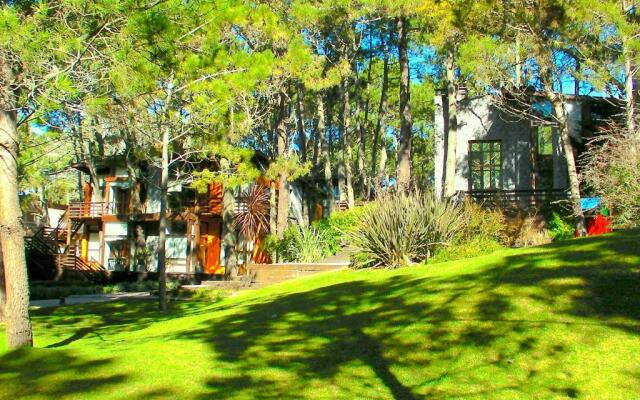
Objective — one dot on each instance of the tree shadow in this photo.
(350, 328)
(26, 372)
(73, 323)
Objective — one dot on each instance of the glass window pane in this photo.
(484, 165)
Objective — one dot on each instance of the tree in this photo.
(39, 47)
(406, 118)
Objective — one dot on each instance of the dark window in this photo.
(485, 165)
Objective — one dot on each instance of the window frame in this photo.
(491, 168)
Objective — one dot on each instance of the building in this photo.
(516, 159)
(116, 226)
(112, 231)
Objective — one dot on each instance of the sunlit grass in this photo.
(560, 321)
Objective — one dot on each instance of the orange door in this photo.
(210, 246)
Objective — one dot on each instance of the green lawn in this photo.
(560, 321)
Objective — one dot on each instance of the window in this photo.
(485, 165)
(545, 140)
(545, 157)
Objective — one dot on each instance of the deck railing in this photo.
(522, 198)
(80, 210)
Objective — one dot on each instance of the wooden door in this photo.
(210, 246)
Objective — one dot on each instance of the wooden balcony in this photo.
(80, 210)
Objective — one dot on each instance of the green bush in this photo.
(45, 292)
(482, 223)
(560, 228)
(484, 232)
(304, 245)
(336, 228)
(144, 286)
(212, 295)
(401, 229)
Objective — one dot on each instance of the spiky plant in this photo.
(253, 220)
(304, 245)
(402, 229)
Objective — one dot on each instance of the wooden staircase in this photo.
(52, 251)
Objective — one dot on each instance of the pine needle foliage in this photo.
(403, 229)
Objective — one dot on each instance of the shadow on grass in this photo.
(86, 320)
(403, 337)
(29, 372)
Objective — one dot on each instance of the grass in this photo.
(559, 321)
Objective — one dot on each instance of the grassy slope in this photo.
(551, 322)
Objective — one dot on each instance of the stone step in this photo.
(275, 273)
(299, 267)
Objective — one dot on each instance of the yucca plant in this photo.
(403, 229)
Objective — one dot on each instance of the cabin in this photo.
(511, 159)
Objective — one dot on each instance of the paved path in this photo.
(91, 298)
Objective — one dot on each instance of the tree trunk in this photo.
(574, 183)
(302, 137)
(273, 213)
(382, 111)
(283, 192)
(362, 145)
(382, 163)
(230, 239)
(326, 156)
(518, 62)
(406, 119)
(630, 92)
(164, 199)
(3, 298)
(141, 246)
(18, 324)
(452, 123)
(347, 155)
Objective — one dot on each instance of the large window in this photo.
(485, 165)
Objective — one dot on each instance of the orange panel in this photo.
(84, 248)
(259, 255)
(210, 247)
(215, 198)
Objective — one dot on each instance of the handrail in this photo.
(86, 210)
(519, 196)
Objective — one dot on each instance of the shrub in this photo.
(482, 223)
(401, 229)
(304, 245)
(560, 228)
(336, 228)
(611, 171)
(212, 295)
(44, 292)
(483, 233)
(523, 230)
(144, 286)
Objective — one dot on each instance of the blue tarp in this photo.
(589, 203)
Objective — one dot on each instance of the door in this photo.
(210, 246)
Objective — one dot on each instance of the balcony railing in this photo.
(80, 210)
(521, 198)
